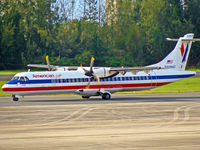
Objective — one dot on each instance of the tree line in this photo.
(115, 32)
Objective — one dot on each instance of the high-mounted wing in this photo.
(50, 67)
(133, 70)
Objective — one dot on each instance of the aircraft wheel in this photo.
(86, 97)
(15, 98)
(106, 96)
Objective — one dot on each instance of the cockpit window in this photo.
(22, 79)
(26, 78)
(15, 78)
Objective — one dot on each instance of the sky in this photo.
(78, 7)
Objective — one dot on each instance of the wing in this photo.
(52, 67)
(133, 70)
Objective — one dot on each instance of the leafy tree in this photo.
(191, 14)
(119, 33)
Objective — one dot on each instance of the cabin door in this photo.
(153, 79)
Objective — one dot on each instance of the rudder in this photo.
(178, 57)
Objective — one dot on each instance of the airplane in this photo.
(103, 81)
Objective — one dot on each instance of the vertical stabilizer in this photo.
(178, 57)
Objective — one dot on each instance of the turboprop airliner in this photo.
(103, 81)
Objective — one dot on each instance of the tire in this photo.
(15, 99)
(106, 96)
(85, 97)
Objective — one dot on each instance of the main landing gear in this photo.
(15, 98)
(106, 96)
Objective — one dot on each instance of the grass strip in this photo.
(5, 72)
(1, 92)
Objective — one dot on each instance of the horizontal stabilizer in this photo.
(175, 40)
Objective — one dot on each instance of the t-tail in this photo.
(178, 57)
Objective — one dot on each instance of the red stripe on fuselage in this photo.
(50, 88)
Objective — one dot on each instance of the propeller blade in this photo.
(47, 60)
(85, 70)
(91, 64)
(88, 85)
(90, 72)
(96, 77)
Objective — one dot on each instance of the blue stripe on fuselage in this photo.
(185, 54)
(75, 80)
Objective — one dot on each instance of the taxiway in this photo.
(127, 121)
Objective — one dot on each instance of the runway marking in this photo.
(177, 119)
(83, 114)
(72, 117)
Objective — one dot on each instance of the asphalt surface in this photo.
(6, 77)
(127, 121)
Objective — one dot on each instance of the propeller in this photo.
(47, 60)
(91, 73)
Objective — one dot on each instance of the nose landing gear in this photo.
(15, 98)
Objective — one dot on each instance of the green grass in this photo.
(185, 85)
(1, 92)
(193, 69)
(11, 71)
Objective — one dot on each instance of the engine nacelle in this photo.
(88, 92)
(102, 72)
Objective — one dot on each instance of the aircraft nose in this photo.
(4, 87)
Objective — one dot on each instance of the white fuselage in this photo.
(54, 82)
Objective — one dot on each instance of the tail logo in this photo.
(182, 49)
